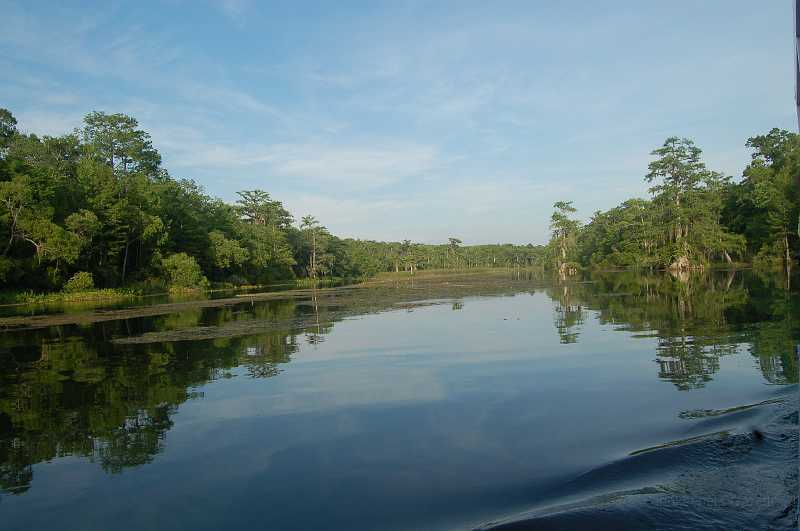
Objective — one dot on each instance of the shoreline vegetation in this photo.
(109, 295)
(419, 287)
(112, 295)
(93, 216)
(115, 295)
(22, 298)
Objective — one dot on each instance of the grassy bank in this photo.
(30, 297)
(153, 289)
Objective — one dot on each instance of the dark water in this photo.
(617, 401)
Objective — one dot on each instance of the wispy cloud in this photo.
(404, 119)
(347, 167)
(235, 10)
(48, 122)
(351, 165)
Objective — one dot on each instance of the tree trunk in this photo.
(680, 264)
(313, 254)
(125, 260)
(12, 230)
(788, 256)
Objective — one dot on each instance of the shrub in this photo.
(236, 280)
(770, 256)
(80, 281)
(150, 285)
(183, 272)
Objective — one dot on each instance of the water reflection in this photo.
(108, 391)
(568, 313)
(697, 319)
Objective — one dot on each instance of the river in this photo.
(506, 400)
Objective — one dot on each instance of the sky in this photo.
(411, 120)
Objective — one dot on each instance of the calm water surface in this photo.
(428, 404)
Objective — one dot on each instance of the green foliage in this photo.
(83, 296)
(226, 253)
(765, 206)
(80, 281)
(99, 201)
(115, 140)
(183, 272)
(697, 216)
(8, 126)
(256, 207)
(687, 200)
(563, 242)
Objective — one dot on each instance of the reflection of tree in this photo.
(314, 336)
(16, 470)
(80, 395)
(136, 441)
(568, 316)
(697, 319)
(263, 355)
(688, 366)
(70, 391)
(775, 336)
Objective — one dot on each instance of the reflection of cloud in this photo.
(323, 391)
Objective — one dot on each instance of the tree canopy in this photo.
(98, 201)
(694, 216)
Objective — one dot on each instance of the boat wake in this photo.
(741, 474)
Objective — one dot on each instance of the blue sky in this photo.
(419, 120)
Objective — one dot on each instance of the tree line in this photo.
(694, 216)
(96, 207)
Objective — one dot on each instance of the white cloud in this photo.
(49, 123)
(353, 165)
(235, 10)
(470, 121)
(348, 167)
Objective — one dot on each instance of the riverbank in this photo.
(111, 295)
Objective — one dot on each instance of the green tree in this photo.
(310, 226)
(623, 236)
(262, 230)
(226, 253)
(116, 140)
(183, 272)
(452, 250)
(688, 200)
(564, 234)
(118, 177)
(258, 208)
(317, 239)
(764, 206)
(8, 127)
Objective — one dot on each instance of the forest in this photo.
(696, 217)
(95, 208)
